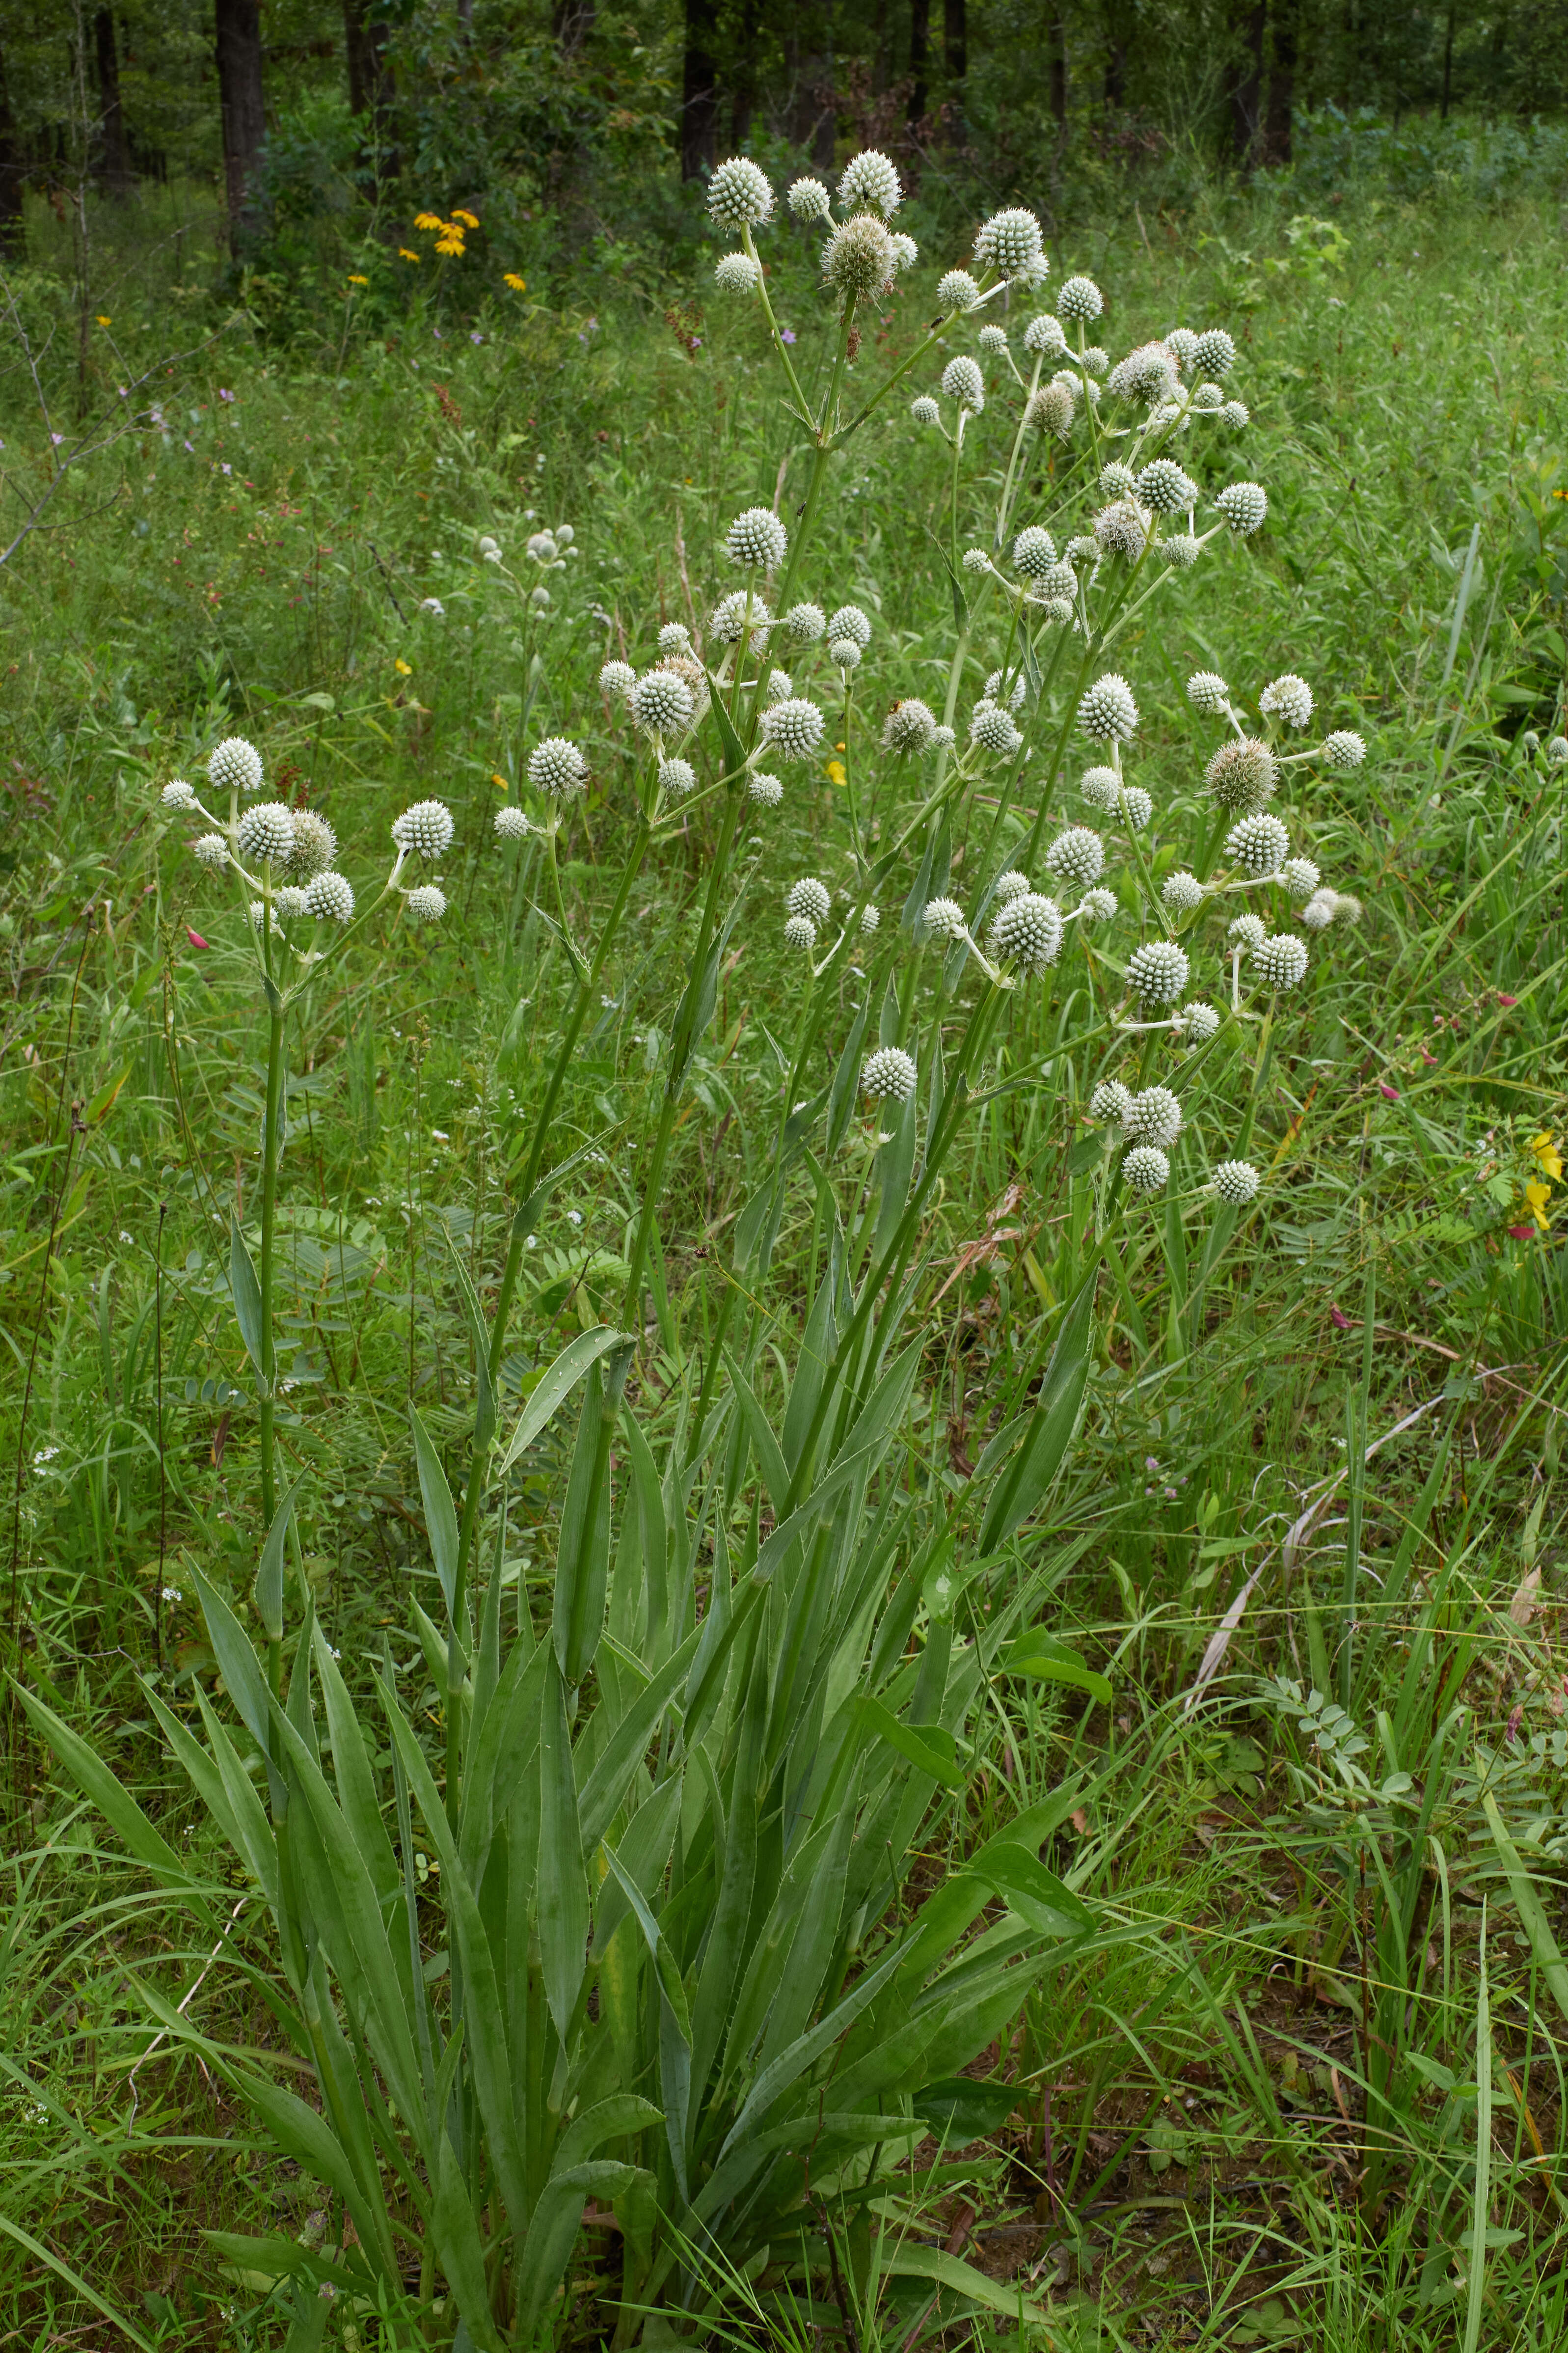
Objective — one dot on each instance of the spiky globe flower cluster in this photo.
(800, 932)
(1098, 906)
(1344, 750)
(1034, 552)
(1287, 698)
(850, 622)
(844, 651)
(780, 686)
(804, 624)
(888, 1076)
(266, 831)
(808, 200)
(1181, 891)
(1258, 845)
(1181, 550)
(511, 825)
(556, 766)
(315, 845)
(1165, 488)
(1241, 776)
(1077, 856)
(1146, 1169)
(211, 851)
(1080, 298)
(794, 729)
(1200, 1022)
(909, 726)
(617, 680)
(1057, 584)
(1215, 353)
(1153, 1116)
(1134, 805)
(1100, 787)
(677, 778)
(1013, 699)
(1157, 972)
(810, 897)
(1122, 529)
(859, 259)
(1051, 410)
(756, 539)
(330, 896)
(734, 616)
(662, 703)
(1108, 713)
(739, 194)
(1236, 1182)
(178, 795)
(1301, 877)
(1029, 933)
(1244, 506)
(963, 382)
(956, 290)
(1110, 1100)
(1280, 960)
(924, 410)
(1044, 334)
(871, 183)
(1247, 931)
(1008, 885)
(1010, 243)
(235, 766)
(736, 273)
(993, 729)
(943, 919)
(424, 829)
(1208, 693)
(1148, 374)
(289, 904)
(766, 791)
(427, 904)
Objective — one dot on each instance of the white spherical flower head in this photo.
(1117, 480)
(540, 598)
(850, 621)
(808, 200)
(736, 273)
(1183, 343)
(859, 260)
(558, 768)
(1279, 961)
(810, 897)
(1556, 751)
(909, 726)
(1236, 1182)
(267, 830)
(1181, 550)
(1110, 1100)
(888, 1076)
(1058, 580)
(1299, 876)
(1235, 414)
(1318, 912)
(800, 932)
(315, 845)
(425, 827)
(1149, 373)
(1029, 933)
(1108, 713)
(906, 252)
(1287, 698)
(211, 851)
(734, 616)
(794, 729)
(739, 196)
(177, 795)
(542, 546)
(1100, 787)
(1258, 845)
(1011, 243)
(1122, 529)
(956, 290)
(1200, 1023)
(976, 560)
(616, 680)
(1157, 972)
(1344, 749)
(1153, 1116)
(674, 637)
(1009, 886)
(434, 608)
(1135, 807)
(780, 686)
(235, 766)
(1208, 693)
(870, 919)
(1051, 410)
(1034, 552)
(1208, 398)
(289, 904)
(1014, 698)
(924, 410)
(1241, 776)
(992, 340)
(1082, 550)
(1181, 891)
(1044, 334)
(943, 919)
(993, 729)
(1146, 1169)
(1164, 487)
(330, 897)
(766, 791)
(1244, 506)
(945, 739)
(427, 904)
(1247, 931)
(511, 825)
(1215, 353)
(1080, 298)
(1095, 360)
(756, 539)
(661, 703)
(804, 624)
(1097, 906)
(257, 914)
(677, 778)
(1077, 856)
(871, 183)
(963, 382)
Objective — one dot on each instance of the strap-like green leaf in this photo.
(245, 1293)
(1052, 1423)
(927, 1747)
(269, 1573)
(556, 1387)
(479, 1342)
(769, 1452)
(562, 1887)
(440, 1516)
(1041, 1656)
(1037, 1895)
(107, 1791)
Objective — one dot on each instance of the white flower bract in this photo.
(617, 680)
(1108, 712)
(736, 273)
(1077, 856)
(909, 726)
(1146, 1169)
(992, 340)
(1288, 698)
(993, 729)
(739, 194)
(1044, 334)
(1344, 749)
(1247, 931)
(1280, 960)
(808, 200)
(963, 382)
(850, 621)
(1110, 1100)
(888, 1075)
(800, 932)
(425, 827)
(1299, 876)
(924, 410)
(1100, 787)
(1034, 552)
(211, 851)
(427, 904)
(555, 765)
(1241, 776)
(1080, 298)
(1010, 243)
(956, 290)
(511, 825)
(1258, 845)
(1200, 1022)
(766, 791)
(661, 704)
(1153, 1116)
(1028, 932)
(943, 919)
(330, 897)
(859, 259)
(1165, 488)
(266, 831)
(1009, 884)
(1181, 891)
(1157, 972)
(1236, 1182)
(677, 778)
(756, 539)
(804, 624)
(794, 729)
(235, 766)
(315, 845)
(810, 897)
(1208, 693)
(1244, 506)
(1215, 353)
(1098, 906)
(871, 183)
(177, 795)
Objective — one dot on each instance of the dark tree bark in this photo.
(1059, 75)
(920, 57)
(571, 22)
(13, 179)
(238, 30)
(370, 85)
(1247, 96)
(744, 102)
(1447, 64)
(699, 91)
(115, 174)
(1280, 120)
(955, 43)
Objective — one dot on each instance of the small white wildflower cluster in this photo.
(285, 858)
(862, 255)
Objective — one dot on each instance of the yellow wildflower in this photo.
(405, 255)
(837, 773)
(103, 322)
(519, 285)
(500, 782)
(1536, 1197)
(1548, 1153)
(453, 245)
(428, 220)
(403, 669)
(353, 280)
(467, 219)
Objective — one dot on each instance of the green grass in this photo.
(1249, 2113)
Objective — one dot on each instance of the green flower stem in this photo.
(779, 344)
(897, 376)
(1005, 504)
(268, 1368)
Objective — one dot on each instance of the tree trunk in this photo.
(1246, 97)
(1059, 75)
(572, 23)
(114, 172)
(920, 57)
(237, 28)
(1447, 65)
(699, 91)
(744, 104)
(1280, 124)
(13, 179)
(370, 86)
(955, 43)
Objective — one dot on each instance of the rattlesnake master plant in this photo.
(689, 1976)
